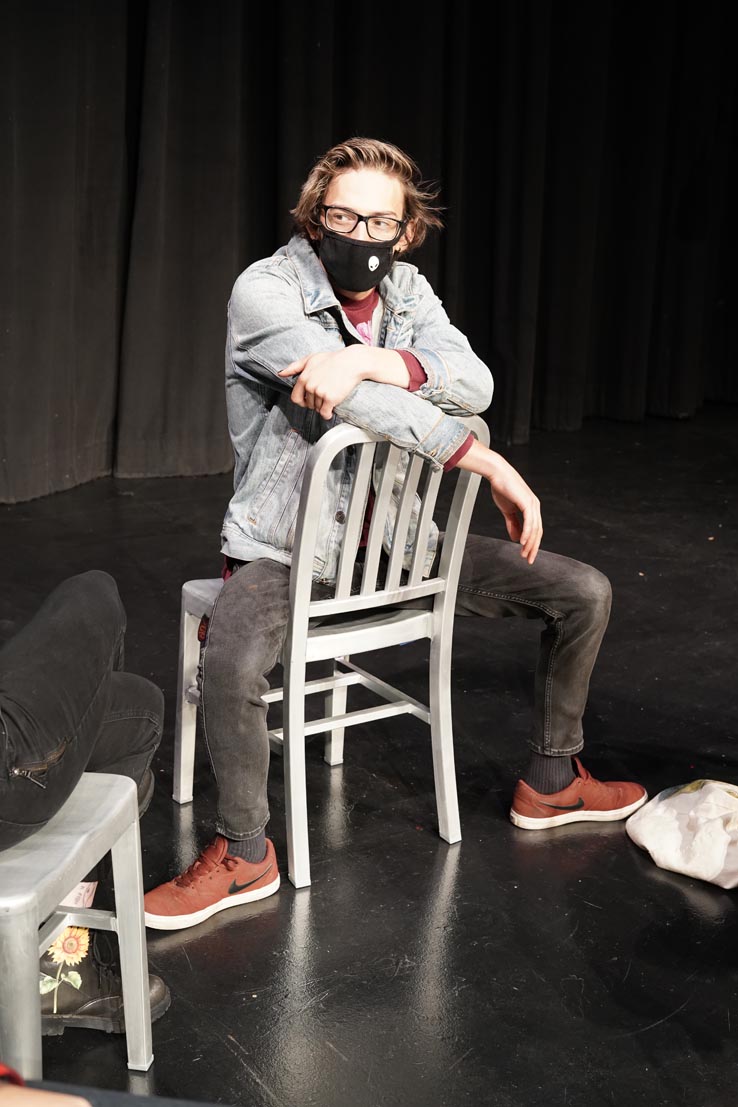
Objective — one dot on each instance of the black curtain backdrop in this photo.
(587, 153)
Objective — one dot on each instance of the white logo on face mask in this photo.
(373, 263)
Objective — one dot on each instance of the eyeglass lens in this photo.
(343, 220)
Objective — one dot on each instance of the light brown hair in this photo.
(369, 153)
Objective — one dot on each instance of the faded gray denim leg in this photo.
(572, 598)
(244, 643)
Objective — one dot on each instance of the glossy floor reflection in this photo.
(515, 968)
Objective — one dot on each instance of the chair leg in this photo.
(185, 727)
(20, 1003)
(128, 881)
(335, 704)
(295, 785)
(442, 738)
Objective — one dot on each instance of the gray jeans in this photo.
(247, 630)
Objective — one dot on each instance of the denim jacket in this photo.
(280, 310)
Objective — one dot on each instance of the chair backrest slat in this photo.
(387, 465)
(428, 498)
(355, 518)
(396, 486)
(402, 520)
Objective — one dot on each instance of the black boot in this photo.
(80, 984)
(146, 792)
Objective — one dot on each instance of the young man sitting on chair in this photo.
(336, 325)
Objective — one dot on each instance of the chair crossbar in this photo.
(321, 684)
(385, 690)
(275, 695)
(357, 675)
(352, 718)
(94, 917)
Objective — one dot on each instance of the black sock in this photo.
(548, 774)
(252, 850)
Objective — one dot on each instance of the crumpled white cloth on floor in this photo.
(692, 829)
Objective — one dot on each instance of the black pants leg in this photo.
(66, 706)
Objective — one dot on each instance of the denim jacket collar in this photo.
(317, 291)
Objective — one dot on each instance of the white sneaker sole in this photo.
(581, 816)
(181, 922)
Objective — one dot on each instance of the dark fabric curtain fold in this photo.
(62, 205)
(183, 252)
(587, 155)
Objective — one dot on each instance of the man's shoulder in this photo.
(264, 278)
(408, 279)
(277, 263)
(294, 263)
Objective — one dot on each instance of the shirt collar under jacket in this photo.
(317, 291)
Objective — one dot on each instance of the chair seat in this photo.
(45, 866)
(204, 591)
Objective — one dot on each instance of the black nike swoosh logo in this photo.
(240, 887)
(563, 806)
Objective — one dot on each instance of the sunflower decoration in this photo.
(70, 948)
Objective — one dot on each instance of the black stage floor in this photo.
(516, 968)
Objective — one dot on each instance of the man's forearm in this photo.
(480, 459)
(519, 505)
(384, 366)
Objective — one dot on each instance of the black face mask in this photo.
(354, 266)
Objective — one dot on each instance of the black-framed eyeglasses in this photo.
(382, 228)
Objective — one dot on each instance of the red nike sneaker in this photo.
(213, 882)
(584, 800)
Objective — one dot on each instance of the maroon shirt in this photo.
(359, 313)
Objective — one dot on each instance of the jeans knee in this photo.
(98, 584)
(152, 699)
(95, 593)
(138, 696)
(596, 594)
(225, 675)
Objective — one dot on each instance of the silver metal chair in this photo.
(100, 816)
(347, 624)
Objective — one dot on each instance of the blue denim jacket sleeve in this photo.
(457, 380)
(274, 318)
